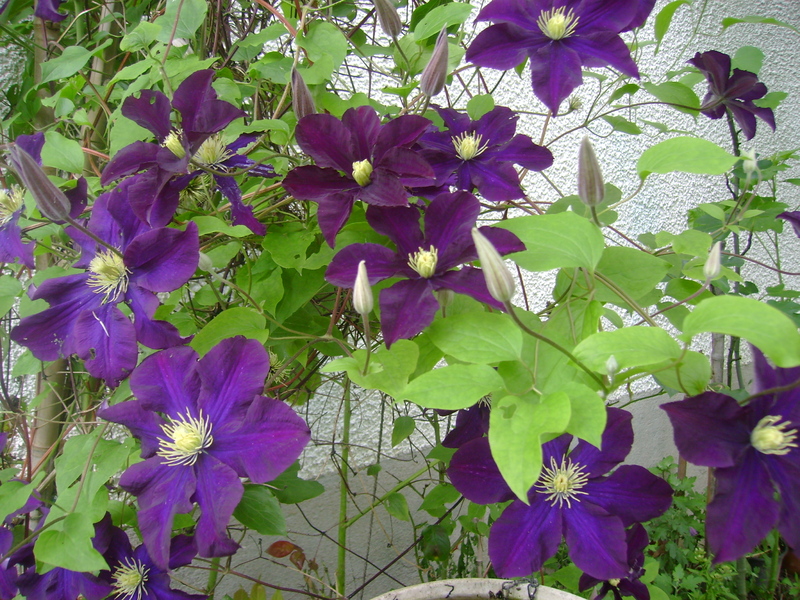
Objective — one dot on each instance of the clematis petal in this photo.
(134, 157)
(468, 281)
(385, 189)
(150, 332)
(145, 425)
(232, 375)
(328, 141)
(501, 46)
(410, 166)
(217, 494)
(496, 181)
(399, 132)
(400, 224)
(785, 473)
(241, 214)
(475, 475)
(32, 144)
(631, 493)
(596, 541)
(106, 340)
(471, 423)
(450, 218)
(168, 382)
(332, 214)
(407, 308)
(522, 151)
(150, 110)
(524, 537)
(793, 217)
(555, 73)
(601, 48)
(364, 126)
(162, 260)
(314, 183)
(616, 443)
(269, 440)
(48, 10)
(12, 248)
(381, 264)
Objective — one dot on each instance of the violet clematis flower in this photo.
(559, 37)
(575, 497)
(471, 423)
(211, 429)
(754, 449)
(357, 158)
(734, 92)
(793, 218)
(425, 261)
(630, 586)
(84, 318)
(202, 116)
(48, 10)
(8, 572)
(482, 154)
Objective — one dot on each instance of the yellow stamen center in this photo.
(562, 482)
(557, 23)
(614, 582)
(129, 580)
(10, 202)
(424, 262)
(771, 437)
(109, 275)
(174, 143)
(362, 172)
(187, 437)
(468, 145)
(212, 152)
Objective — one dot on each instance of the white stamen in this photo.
(424, 262)
(212, 152)
(562, 482)
(129, 580)
(770, 436)
(109, 275)
(557, 23)
(187, 438)
(468, 145)
(10, 202)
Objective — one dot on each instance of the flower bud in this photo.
(612, 366)
(302, 101)
(52, 202)
(362, 291)
(498, 278)
(713, 266)
(445, 297)
(205, 263)
(749, 163)
(435, 73)
(388, 17)
(590, 178)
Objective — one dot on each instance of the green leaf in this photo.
(629, 88)
(630, 347)
(288, 488)
(260, 510)
(435, 499)
(192, 14)
(664, 18)
(685, 154)
(69, 545)
(771, 100)
(397, 506)
(324, 39)
(748, 58)
(389, 368)
(452, 13)
(622, 124)
(230, 323)
(14, 494)
(690, 376)
(587, 418)
(692, 242)
(765, 327)
(479, 106)
(728, 21)
(210, 224)
(403, 427)
(62, 153)
(478, 337)
(452, 387)
(71, 60)
(287, 244)
(634, 271)
(556, 241)
(10, 289)
(674, 93)
(516, 427)
(140, 38)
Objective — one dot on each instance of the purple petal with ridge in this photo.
(616, 445)
(400, 224)
(168, 382)
(150, 110)
(468, 281)
(218, 492)
(381, 264)
(497, 126)
(400, 131)
(364, 126)
(12, 248)
(793, 217)
(48, 10)
(150, 332)
(409, 165)
(241, 214)
(163, 259)
(106, 340)
(130, 159)
(501, 46)
(596, 540)
(332, 214)
(407, 308)
(496, 181)
(632, 493)
(315, 183)
(785, 473)
(325, 139)
(385, 189)
(145, 425)
(555, 73)
(522, 151)
(475, 475)
(450, 217)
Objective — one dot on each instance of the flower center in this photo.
(771, 437)
(562, 482)
(10, 202)
(212, 152)
(109, 275)
(424, 262)
(614, 582)
(362, 172)
(174, 143)
(187, 438)
(130, 579)
(557, 23)
(468, 145)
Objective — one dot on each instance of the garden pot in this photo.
(476, 589)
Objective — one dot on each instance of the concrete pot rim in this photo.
(476, 589)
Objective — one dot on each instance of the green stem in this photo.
(368, 344)
(379, 501)
(341, 562)
(212, 578)
(741, 578)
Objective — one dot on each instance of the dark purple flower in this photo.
(754, 451)
(212, 428)
(471, 423)
(425, 259)
(357, 158)
(202, 115)
(84, 318)
(630, 586)
(793, 218)
(482, 154)
(574, 498)
(134, 575)
(734, 92)
(8, 571)
(48, 10)
(560, 37)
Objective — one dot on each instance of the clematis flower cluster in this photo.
(577, 497)
(755, 451)
(198, 440)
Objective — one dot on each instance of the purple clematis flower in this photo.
(198, 440)
(8, 572)
(630, 586)
(425, 261)
(202, 115)
(574, 498)
(84, 318)
(793, 218)
(755, 451)
(734, 92)
(48, 10)
(482, 154)
(134, 575)
(559, 37)
(471, 423)
(357, 158)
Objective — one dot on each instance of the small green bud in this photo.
(435, 73)
(713, 266)
(363, 301)
(498, 278)
(749, 163)
(590, 179)
(52, 202)
(205, 263)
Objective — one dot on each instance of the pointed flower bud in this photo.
(362, 291)
(713, 267)
(498, 278)
(52, 202)
(388, 17)
(749, 163)
(590, 178)
(302, 101)
(433, 76)
(612, 366)
(205, 263)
